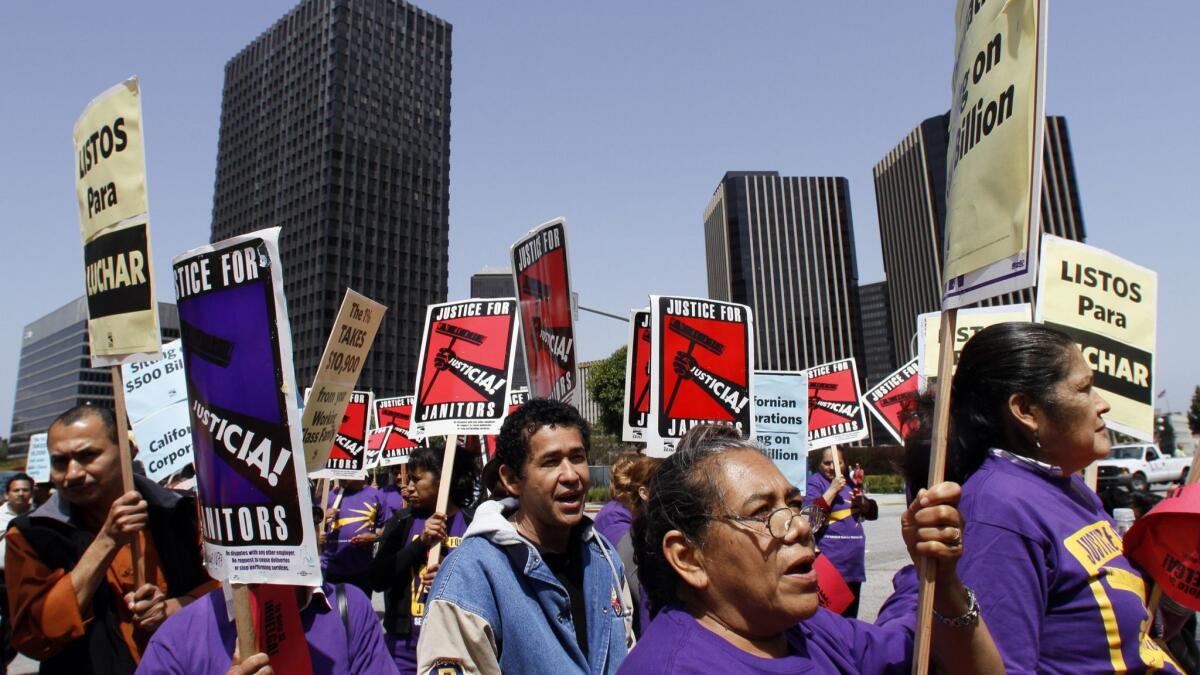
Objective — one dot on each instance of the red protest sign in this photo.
(637, 378)
(348, 455)
(516, 399)
(543, 282)
(701, 367)
(465, 370)
(833, 593)
(391, 439)
(276, 614)
(835, 415)
(1163, 542)
(894, 400)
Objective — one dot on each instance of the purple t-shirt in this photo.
(613, 521)
(358, 513)
(824, 643)
(404, 648)
(1046, 563)
(842, 540)
(393, 502)
(199, 639)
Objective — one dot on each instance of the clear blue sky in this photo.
(621, 116)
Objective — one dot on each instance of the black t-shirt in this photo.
(568, 569)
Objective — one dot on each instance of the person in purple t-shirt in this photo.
(726, 552)
(393, 495)
(842, 540)
(1044, 557)
(351, 528)
(399, 568)
(616, 516)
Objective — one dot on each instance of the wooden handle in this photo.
(837, 462)
(139, 566)
(443, 498)
(247, 639)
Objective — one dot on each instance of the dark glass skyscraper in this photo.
(335, 125)
(785, 246)
(880, 356)
(910, 193)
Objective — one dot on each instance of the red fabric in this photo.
(1164, 544)
(824, 505)
(277, 625)
(832, 592)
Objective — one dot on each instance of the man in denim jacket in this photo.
(532, 587)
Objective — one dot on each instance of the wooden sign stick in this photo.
(837, 463)
(139, 565)
(927, 570)
(443, 498)
(243, 618)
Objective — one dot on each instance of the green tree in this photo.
(606, 384)
(1166, 434)
(1193, 415)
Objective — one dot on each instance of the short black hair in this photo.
(463, 478)
(79, 412)
(21, 476)
(512, 445)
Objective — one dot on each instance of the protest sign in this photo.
(256, 515)
(151, 386)
(345, 353)
(781, 421)
(516, 399)
(543, 283)
(637, 378)
(701, 368)
(835, 415)
(114, 224)
(969, 322)
(833, 593)
(465, 372)
(37, 460)
(894, 399)
(165, 441)
(1110, 307)
(348, 455)
(394, 416)
(994, 157)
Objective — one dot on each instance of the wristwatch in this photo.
(968, 618)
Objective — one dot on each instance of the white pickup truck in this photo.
(1137, 465)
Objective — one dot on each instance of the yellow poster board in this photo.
(110, 185)
(994, 156)
(970, 321)
(1110, 307)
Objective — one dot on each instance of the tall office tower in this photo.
(910, 193)
(55, 371)
(880, 354)
(784, 245)
(494, 281)
(335, 125)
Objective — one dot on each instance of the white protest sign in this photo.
(37, 462)
(781, 421)
(151, 386)
(165, 441)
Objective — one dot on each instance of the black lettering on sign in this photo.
(1119, 368)
(117, 272)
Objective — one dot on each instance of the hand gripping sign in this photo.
(637, 378)
(543, 282)
(701, 368)
(348, 455)
(463, 377)
(256, 515)
(894, 400)
(835, 415)
(394, 415)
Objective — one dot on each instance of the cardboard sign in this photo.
(516, 399)
(637, 378)
(165, 441)
(465, 372)
(781, 421)
(894, 398)
(1110, 307)
(37, 460)
(835, 415)
(256, 517)
(114, 224)
(833, 593)
(394, 415)
(275, 612)
(701, 368)
(970, 321)
(543, 283)
(342, 362)
(348, 455)
(151, 386)
(994, 157)
(1163, 542)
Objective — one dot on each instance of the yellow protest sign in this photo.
(970, 321)
(1109, 306)
(110, 185)
(994, 157)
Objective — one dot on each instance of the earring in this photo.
(1037, 441)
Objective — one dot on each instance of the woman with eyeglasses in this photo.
(725, 549)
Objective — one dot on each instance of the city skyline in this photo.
(607, 115)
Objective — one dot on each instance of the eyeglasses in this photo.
(779, 521)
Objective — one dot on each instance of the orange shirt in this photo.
(45, 616)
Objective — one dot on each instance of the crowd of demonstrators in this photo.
(532, 587)
(1042, 555)
(399, 567)
(68, 567)
(18, 500)
(842, 540)
(726, 550)
(354, 516)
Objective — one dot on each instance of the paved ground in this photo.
(885, 554)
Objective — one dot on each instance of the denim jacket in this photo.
(497, 607)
